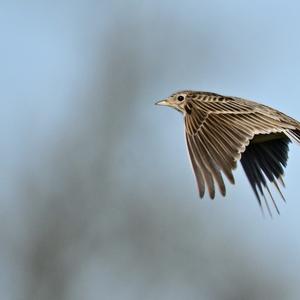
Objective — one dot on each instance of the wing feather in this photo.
(197, 169)
(219, 131)
(203, 166)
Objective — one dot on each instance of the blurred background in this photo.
(98, 200)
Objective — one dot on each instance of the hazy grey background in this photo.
(98, 200)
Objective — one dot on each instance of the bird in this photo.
(222, 130)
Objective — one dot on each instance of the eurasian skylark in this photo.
(222, 130)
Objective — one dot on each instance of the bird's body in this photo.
(222, 130)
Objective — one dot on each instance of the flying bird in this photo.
(222, 130)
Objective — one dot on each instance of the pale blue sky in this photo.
(240, 48)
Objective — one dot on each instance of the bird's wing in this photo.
(218, 131)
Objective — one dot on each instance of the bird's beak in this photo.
(162, 102)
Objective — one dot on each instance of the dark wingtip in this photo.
(201, 194)
(223, 192)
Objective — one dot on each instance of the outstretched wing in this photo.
(218, 131)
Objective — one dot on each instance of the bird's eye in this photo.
(180, 98)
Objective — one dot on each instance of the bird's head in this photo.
(177, 100)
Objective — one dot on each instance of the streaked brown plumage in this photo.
(222, 130)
